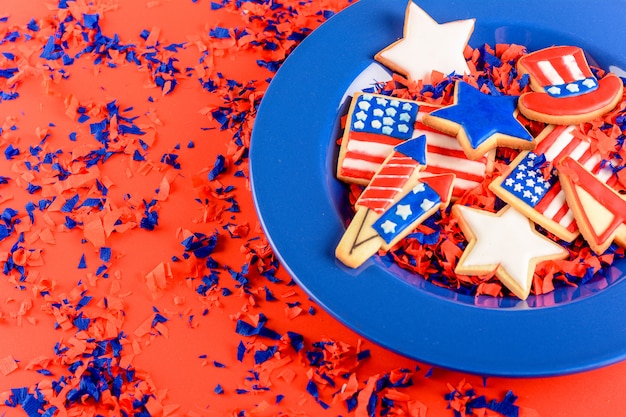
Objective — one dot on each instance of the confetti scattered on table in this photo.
(136, 278)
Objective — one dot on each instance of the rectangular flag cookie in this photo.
(366, 143)
(536, 191)
(375, 125)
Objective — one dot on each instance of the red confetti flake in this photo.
(7, 365)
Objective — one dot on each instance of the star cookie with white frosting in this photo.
(506, 243)
(428, 46)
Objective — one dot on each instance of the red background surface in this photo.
(179, 361)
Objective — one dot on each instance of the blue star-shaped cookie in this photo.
(481, 122)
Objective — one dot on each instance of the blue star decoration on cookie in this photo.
(481, 121)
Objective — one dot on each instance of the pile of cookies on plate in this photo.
(415, 158)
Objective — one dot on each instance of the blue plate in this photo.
(303, 207)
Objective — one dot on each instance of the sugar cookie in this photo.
(481, 122)
(565, 90)
(534, 189)
(428, 46)
(599, 210)
(375, 124)
(393, 204)
(506, 243)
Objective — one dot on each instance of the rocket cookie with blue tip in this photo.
(396, 200)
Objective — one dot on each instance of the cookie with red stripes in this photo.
(532, 186)
(565, 90)
(375, 124)
(396, 200)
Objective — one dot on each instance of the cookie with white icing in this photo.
(428, 46)
(505, 243)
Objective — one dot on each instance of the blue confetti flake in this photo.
(209, 282)
(271, 66)
(137, 156)
(90, 21)
(219, 33)
(70, 204)
(51, 51)
(363, 355)
(218, 167)
(312, 389)
(83, 301)
(261, 356)
(151, 217)
(245, 329)
(101, 271)
(8, 72)
(82, 323)
(4, 232)
(171, 160)
(70, 223)
(158, 318)
(506, 407)
(268, 295)
(105, 254)
(241, 351)
(351, 403)
(10, 152)
(82, 264)
(201, 245)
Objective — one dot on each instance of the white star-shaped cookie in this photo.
(505, 242)
(427, 46)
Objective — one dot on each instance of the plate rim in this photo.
(263, 168)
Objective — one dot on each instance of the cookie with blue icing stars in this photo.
(481, 122)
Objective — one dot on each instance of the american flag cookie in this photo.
(364, 148)
(599, 210)
(532, 185)
(481, 122)
(445, 156)
(396, 200)
(565, 90)
(375, 124)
